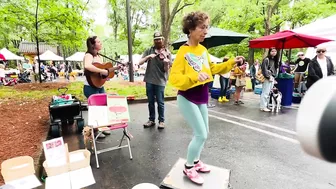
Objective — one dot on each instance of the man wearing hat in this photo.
(158, 60)
(301, 67)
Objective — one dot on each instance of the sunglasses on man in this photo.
(320, 51)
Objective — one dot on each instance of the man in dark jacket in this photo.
(320, 66)
(253, 71)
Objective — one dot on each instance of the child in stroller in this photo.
(3, 80)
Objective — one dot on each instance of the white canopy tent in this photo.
(77, 57)
(48, 55)
(135, 57)
(9, 55)
(322, 28)
(215, 59)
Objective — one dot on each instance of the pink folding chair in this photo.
(101, 100)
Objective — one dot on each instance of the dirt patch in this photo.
(39, 86)
(24, 125)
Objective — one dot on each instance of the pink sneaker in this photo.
(201, 167)
(193, 175)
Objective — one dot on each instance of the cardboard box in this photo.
(70, 166)
(17, 167)
(19, 172)
(71, 174)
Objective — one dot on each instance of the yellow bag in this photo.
(259, 76)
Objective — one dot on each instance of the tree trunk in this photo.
(115, 32)
(270, 9)
(116, 24)
(251, 56)
(166, 35)
(37, 41)
(167, 18)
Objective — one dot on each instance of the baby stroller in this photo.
(24, 77)
(65, 109)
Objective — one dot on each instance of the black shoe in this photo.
(149, 123)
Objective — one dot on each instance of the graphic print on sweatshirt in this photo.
(196, 62)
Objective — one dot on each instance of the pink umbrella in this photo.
(2, 57)
(287, 40)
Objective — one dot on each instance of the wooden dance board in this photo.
(218, 178)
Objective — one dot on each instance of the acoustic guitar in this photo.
(96, 79)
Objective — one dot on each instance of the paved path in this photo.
(260, 148)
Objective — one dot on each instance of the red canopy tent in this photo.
(2, 57)
(287, 40)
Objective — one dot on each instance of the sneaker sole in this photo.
(191, 180)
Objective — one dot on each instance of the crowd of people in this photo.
(305, 72)
(26, 72)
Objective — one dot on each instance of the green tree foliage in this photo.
(261, 17)
(60, 22)
(143, 27)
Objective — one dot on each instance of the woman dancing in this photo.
(190, 73)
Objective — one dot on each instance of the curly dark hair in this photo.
(191, 20)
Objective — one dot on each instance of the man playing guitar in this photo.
(94, 45)
(158, 60)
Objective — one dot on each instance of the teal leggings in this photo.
(196, 116)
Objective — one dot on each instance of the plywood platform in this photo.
(218, 178)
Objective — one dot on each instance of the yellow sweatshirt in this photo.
(189, 62)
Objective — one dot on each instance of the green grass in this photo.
(76, 88)
(11, 93)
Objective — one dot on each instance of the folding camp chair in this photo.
(101, 100)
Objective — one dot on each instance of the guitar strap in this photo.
(118, 62)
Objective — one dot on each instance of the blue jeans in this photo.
(88, 90)
(224, 83)
(155, 92)
(266, 89)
